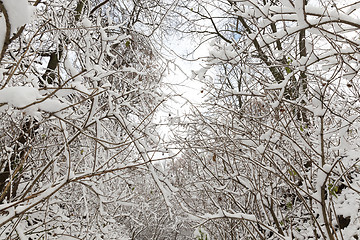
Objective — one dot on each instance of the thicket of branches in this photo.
(80, 83)
(271, 152)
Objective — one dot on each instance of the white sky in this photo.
(179, 84)
(178, 79)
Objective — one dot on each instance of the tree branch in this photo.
(8, 30)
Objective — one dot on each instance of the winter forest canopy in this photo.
(272, 150)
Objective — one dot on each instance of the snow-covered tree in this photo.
(79, 86)
(273, 151)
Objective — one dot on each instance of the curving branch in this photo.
(8, 30)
